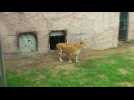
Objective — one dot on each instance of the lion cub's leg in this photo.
(70, 61)
(77, 58)
(70, 58)
(60, 59)
(60, 56)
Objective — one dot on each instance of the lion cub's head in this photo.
(83, 44)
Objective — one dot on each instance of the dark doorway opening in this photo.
(123, 29)
(56, 37)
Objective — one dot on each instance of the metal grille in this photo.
(123, 31)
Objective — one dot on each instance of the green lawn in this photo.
(112, 69)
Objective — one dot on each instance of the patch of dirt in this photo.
(41, 77)
(130, 58)
(103, 77)
(126, 84)
(66, 68)
(123, 71)
(112, 61)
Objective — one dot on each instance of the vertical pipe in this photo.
(2, 68)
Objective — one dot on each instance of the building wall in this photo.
(20, 22)
(99, 29)
(3, 36)
(131, 26)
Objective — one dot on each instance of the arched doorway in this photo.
(56, 37)
(27, 42)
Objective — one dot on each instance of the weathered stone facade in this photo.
(99, 29)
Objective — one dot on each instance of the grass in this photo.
(113, 69)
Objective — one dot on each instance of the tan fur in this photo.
(70, 49)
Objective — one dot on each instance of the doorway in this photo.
(56, 37)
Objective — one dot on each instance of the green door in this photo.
(27, 43)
